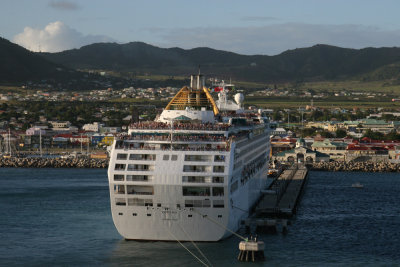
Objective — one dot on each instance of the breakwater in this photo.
(351, 166)
(53, 163)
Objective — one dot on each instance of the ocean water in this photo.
(61, 217)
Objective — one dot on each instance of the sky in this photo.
(266, 27)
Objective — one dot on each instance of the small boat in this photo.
(357, 185)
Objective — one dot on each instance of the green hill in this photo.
(320, 62)
(317, 63)
(19, 65)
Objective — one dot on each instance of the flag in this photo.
(218, 89)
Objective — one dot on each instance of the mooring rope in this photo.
(202, 262)
(194, 244)
(221, 225)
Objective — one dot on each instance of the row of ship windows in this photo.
(244, 151)
(186, 168)
(186, 190)
(152, 157)
(189, 203)
(185, 179)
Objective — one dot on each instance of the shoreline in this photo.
(333, 166)
(366, 166)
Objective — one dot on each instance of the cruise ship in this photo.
(192, 174)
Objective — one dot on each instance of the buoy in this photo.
(251, 250)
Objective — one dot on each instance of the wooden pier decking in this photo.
(282, 197)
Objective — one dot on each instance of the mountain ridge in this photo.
(316, 63)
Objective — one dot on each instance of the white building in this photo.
(37, 130)
(60, 124)
(93, 127)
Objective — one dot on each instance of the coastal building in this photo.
(279, 144)
(60, 124)
(107, 140)
(93, 127)
(369, 124)
(60, 142)
(301, 154)
(335, 150)
(357, 152)
(369, 149)
(279, 132)
(79, 139)
(110, 130)
(96, 139)
(37, 130)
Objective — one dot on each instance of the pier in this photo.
(281, 199)
(279, 202)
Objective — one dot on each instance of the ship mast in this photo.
(40, 141)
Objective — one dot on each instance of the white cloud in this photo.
(274, 39)
(55, 37)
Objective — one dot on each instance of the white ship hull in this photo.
(191, 180)
(172, 222)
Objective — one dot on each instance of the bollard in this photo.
(251, 248)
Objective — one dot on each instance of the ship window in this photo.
(148, 214)
(139, 167)
(174, 157)
(120, 202)
(142, 157)
(158, 204)
(218, 179)
(119, 189)
(192, 168)
(190, 215)
(148, 202)
(195, 191)
(166, 157)
(197, 158)
(219, 216)
(139, 190)
(218, 203)
(196, 179)
(120, 167)
(120, 213)
(197, 203)
(218, 191)
(122, 156)
(118, 177)
(219, 169)
(140, 202)
(134, 214)
(219, 158)
(139, 178)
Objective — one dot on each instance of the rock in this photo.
(52, 163)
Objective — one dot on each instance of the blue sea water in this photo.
(61, 217)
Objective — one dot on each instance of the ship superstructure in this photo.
(191, 174)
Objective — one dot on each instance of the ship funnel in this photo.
(197, 82)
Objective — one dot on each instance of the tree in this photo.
(393, 135)
(308, 132)
(326, 134)
(340, 133)
(277, 116)
(374, 135)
